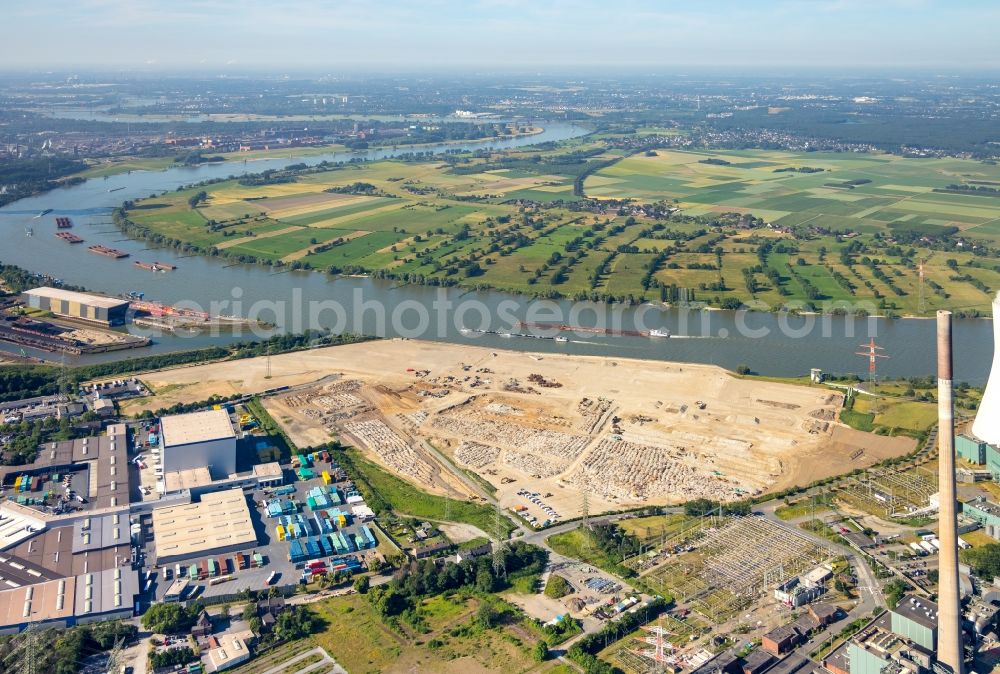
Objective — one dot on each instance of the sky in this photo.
(344, 35)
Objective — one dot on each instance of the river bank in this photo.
(115, 166)
(771, 344)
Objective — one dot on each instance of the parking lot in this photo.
(229, 578)
(535, 510)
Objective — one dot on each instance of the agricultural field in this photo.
(866, 192)
(872, 233)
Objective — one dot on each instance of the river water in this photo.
(771, 344)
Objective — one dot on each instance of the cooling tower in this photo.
(986, 427)
(949, 646)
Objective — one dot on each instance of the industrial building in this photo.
(18, 523)
(199, 440)
(75, 600)
(903, 639)
(102, 463)
(986, 513)
(217, 524)
(198, 481)
(979, 453)
(915, 618)
(100, 532)
(80, 306)
(231, 649)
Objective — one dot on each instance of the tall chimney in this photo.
(949, 646)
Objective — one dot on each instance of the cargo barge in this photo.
(68, 237)
(64, 223)
(155, 266)
(563, 327)
(110, 252)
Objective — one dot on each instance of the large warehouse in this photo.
(199, 440)
(79, 306)
(75, 600)
(218, 524)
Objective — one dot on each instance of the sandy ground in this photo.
(624, 432)
(458, 532)
(844, 443)
(97, 337)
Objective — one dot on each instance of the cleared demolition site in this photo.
(545, 430)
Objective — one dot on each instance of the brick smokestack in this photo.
(949, 646)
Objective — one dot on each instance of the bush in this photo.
(171, 657)
(541, 651)
(984, 560)
(170, 618)
(557, 587)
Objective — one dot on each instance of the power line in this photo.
(25, 653)
(116, 659)
(920, 272)
(499, 560)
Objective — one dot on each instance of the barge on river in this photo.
(109, 252)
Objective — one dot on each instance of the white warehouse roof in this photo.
(186, 429)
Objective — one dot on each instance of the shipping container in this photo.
(369, 538)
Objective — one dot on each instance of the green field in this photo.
(406, 499)
(579, 544)
(852, 233)
(362, 643)
(898, 189)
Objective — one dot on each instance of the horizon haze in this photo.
(313, 35)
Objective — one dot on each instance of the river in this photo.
(770, 344)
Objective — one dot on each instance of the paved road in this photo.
(869, 588)
(136, 654)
